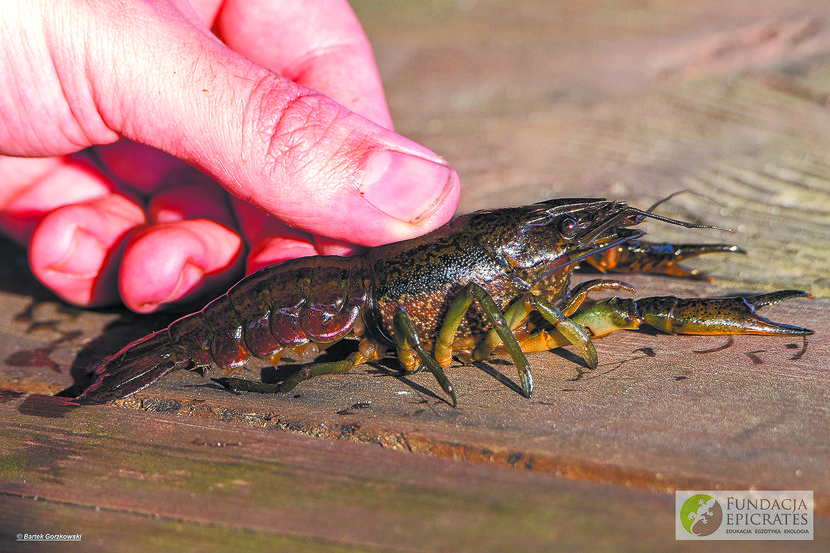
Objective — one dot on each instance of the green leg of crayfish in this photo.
(446, 334)
(305, 373)
(408, 343)
(570, 329)
(455, 313)
(319, 369)
(515, 315)
(569, 332)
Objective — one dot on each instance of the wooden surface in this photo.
(529, 101)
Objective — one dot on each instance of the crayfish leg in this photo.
(367, 351)
(409, 347)
(501, 333)
(515, 316)
(569, 334)
(572, 331)
(580, 292)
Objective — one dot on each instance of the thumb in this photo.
(291, 151)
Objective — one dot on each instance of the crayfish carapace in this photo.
(494, 280)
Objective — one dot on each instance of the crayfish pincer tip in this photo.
(763, 300)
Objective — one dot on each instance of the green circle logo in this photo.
(701, 515)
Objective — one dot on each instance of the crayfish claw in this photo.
(713, 316)
(732, 316)
(708, 316)
(637, 256)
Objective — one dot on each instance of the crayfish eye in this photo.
(567, 227)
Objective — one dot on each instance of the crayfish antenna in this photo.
(656, 204)
(649, 213)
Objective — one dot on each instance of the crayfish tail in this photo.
(134, 368)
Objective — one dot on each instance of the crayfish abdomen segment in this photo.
(251, 300)
(313, 299)
(316, 299)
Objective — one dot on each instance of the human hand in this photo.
(111, 104)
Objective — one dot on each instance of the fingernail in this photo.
(407, 187)
(190, 276)
(74, 269)
(83, 257)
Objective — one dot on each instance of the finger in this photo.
(195, 196)
(75, 249)
(144, 168)
(325, 50)
(270, 240)
(33, 187)
(171, 262)
(322, 46)
(73, 221)
(327, 246)
(292, 152)
(190, 248)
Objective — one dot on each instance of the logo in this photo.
(701, 515)
(744, 515)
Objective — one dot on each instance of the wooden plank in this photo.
(531, 101)
(633, 421)
(130, 480)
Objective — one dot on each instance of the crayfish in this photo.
(493, 280)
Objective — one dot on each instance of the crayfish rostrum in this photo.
(494, 280)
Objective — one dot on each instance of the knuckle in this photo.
(293, 130)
